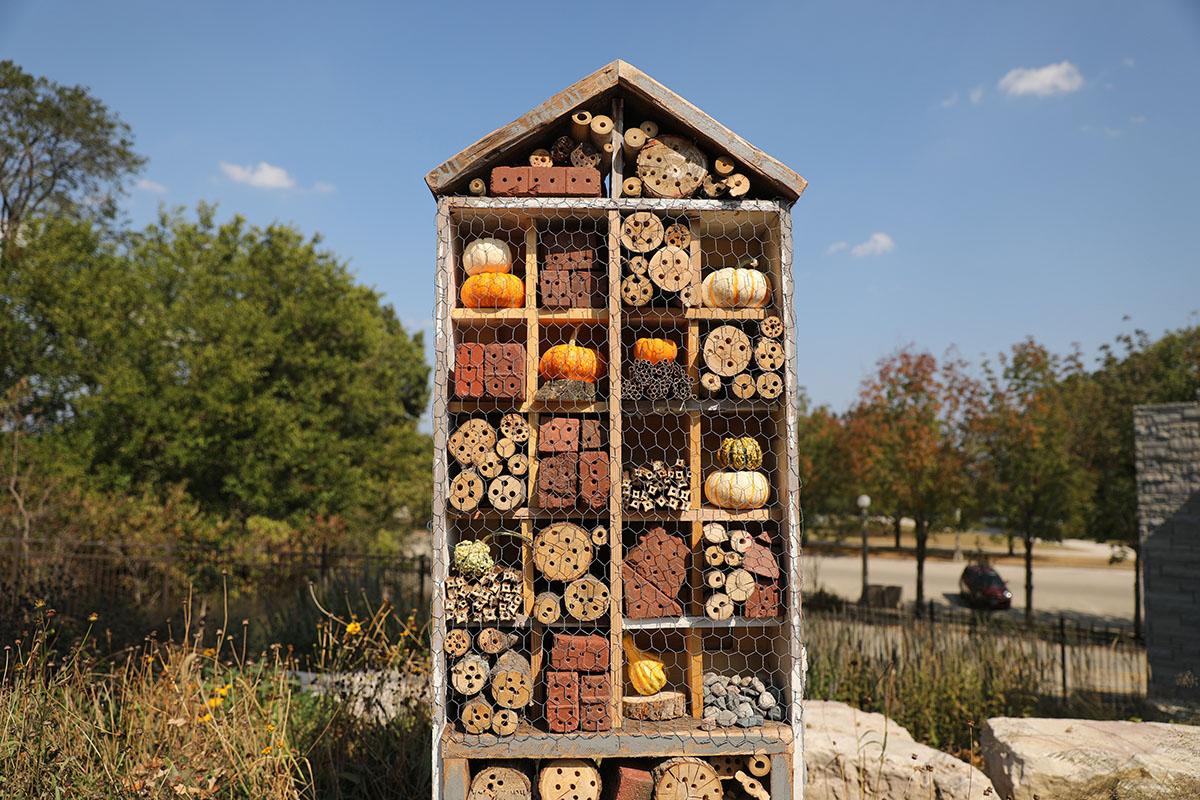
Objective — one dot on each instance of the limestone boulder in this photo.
(1076, 758)
(858, 755)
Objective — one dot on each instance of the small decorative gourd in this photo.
(570, 362)
(740, 453)
(486, 255)
(736, 287)
(493, 290)
(655, 350)
(646, 673)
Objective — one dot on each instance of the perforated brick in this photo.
(558, 435)
(468, 370)
(579, 652)
(510, 181)
(595, 717)
(590, 435)
(594, 479)
(595, 688)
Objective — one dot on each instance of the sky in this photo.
(978, 173)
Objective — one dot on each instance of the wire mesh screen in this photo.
(616, 511)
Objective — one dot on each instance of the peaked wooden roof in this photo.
(617, 77)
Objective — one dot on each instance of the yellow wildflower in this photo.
(206, 717)
(266, 751)
(209, 652)
(354, 628)
(92, 617)
(39, 603)
(223, 691)
(213, 702)
(270, 727)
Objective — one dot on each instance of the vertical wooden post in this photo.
(615, 510)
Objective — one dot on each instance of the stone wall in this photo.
(1168, 485)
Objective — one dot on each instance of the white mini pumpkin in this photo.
(486, 255)
(739, 490)
(735, 287)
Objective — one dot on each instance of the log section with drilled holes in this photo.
(477, 715)
(769, 385)
(671, 167)
(636, 290)
(632, 142)
(541, 158)
(586, 599)
(686, 778)
(562, 551)
(743, 387)
(466, 491)
(512, 680)
(547, 608)
(515, 427)
(718, 606)
(671, 268)
(457, 642)
(768, 354)
(493, 641)
(723, 165)
(505, 721)
(744, 574)
(569, 779)
(710, 382)
(641, 232)
(737, 185)
(469, 674)
(500, 783)
(771, 327)
(727, 351)
(631, 187)
(751, 786)
(678, 235)
(758, 765)
(477, 187)
(599, 535)
(655, 707)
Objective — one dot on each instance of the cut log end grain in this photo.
(714, 556)
(586, 599)
(726, 766)
(690, 295)
(569, 779)
(655, 707)
(500, 783)
(710, 382)
(769, 385)
(737, 184)
(743, 387)
(631, 187)
(477, 716)
(581, 125)
(671, 268)
(547, 608)
(541, 158)
(650, 128)
(633, 140)
(599, 535)
(601, 131)
(727, 351)
(636, 290)
(457, 642)
(686, 778)
(466, 491)
(714, 579)
(493, 640)
(771, 327)
(768, 354)
(506, 493)
(715, 533)
(678, 235)
(733, 558)
(718, 606)
(506, 448)
(471, 442)
(563, 551)
(712, 187)
(740, 540)
(504, 722)
(469, 675)
(515, 427)
(477, 187)
(758, 765)
(739, 584)
(489, 465)
(641, 231)
(724, 165)
(751, 786)
(638, 265)
(512, 680)
(671, 167)
(518, 464)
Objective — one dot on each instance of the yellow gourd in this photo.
(645, 672)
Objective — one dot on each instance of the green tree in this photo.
(244, 363)
(1034, 479)
(60, 148)
(826, 483)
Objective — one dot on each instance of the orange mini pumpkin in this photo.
(655, 350)
(570, 362)
(493, 290)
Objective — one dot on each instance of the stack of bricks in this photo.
(652, 574)
(578, 689)
(546, 182)
(489, 370)
(570, 275)
(573, 469)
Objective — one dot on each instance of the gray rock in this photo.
(758, 686)
(766, 701)
(775, 714)
(726, 718)
(710, 678)
(717, 690)
(734, 689)
(744, 710)
(710, 712)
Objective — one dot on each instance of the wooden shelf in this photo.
(683, 736)
(699, 623)
(568, 316)
(703, 406)
(491, 316)
(679, 316)
(753, 515)
(556, 407)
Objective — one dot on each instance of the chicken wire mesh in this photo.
(616, 510)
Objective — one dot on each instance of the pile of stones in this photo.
(741, 700)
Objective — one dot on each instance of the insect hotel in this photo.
(616, 510)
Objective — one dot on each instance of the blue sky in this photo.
(978, 172)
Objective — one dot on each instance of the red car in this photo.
(980, 586)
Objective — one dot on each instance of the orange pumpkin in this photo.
(570, 362)
(655, 350)
(493, 290)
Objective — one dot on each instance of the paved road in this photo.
(1088, 593)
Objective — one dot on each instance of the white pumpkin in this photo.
(738, 490)
(735, 287)
(486, 255)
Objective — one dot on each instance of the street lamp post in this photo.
(864, 502)
(957, 534)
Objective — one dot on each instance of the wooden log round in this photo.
(569, 779)
(599, 535)
(739, 585)
(686, 778)
(771, 326)
(768, 354)
(733, 558)
(712, 187)
(547, 608)
(581, 125)
(585, 154)
(714, 579)
(740, 540)
(726, 766)
(724, 165)
(477, 187)
(641, 231)
(632, 141)
(586, 599)
(737, 184)
(477, 715)
(518, 464)
(512, 680)
(714, 556)
(466, 491)
(541, 158)
(769, 385)
(515, 427)
(710, 382)
(505, 722)
(718, 606)
(489, 465)
(602, 128)
(656, 707)
(562, 551)
(636, 290)
(758, 765)
(751, 786)
(505, 447)
(743, 387)
(671, 167)
(495, 782)
(493, 640)
(631, 187)
(638, 265)
(727, 351)
(469, 674)
(471, 441)
(671, 268)
(690, 295)
(715, 533)
(678, 235)
(457, 642)
(561, 151)
(650, 128)
(506, 493)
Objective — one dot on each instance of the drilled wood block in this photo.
(579, 652)
(547, 181)
(583, 182)
(595, 716)
(595, 688)
(591, 436)
(510, 181)
(558, 435)
(468, 370)
(594, 478)
(764, 602)
(643, 600)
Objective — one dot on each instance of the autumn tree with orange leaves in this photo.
(907, 435)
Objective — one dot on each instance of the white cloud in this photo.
(1138, 119)
(323, 187)
(976, 95)
(836, 247)
(147, 185)
(952, 100)
(1128, 61)
(1060, 78)
(878, 244)
(260, 176)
